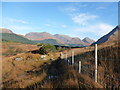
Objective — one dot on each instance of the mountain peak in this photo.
(88, 40)
(39, 36)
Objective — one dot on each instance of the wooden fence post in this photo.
(79, 66)
(72, 57)
(61, 55)
(96, 63)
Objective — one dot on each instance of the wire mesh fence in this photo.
(108, 74)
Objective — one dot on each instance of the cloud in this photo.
(55, 25)
(71, 9)
(83, 18)
(48, 25)
(93, 31)
(52, 25)
(100, 7)
(64, 26)
(98, 29)
(22, 29)
(12, 20)
(19, 21)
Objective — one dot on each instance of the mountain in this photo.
(61, 39)
(64, 38)
(110, 37)
(8, 35)
(68, 40)
(74, 40)
(5, 30)
(39, 36)
(44, 37)
(88, 40)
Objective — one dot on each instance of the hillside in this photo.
(64, 38)
(13, 48)
(35, 72)
(110, 37)
(50, 41)
(15, 38)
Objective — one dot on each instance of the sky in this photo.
(76, 19)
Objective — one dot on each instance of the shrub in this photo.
(46, 48)
(62, 48)
(59, 49)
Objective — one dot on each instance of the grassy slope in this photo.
(15, 38)
(26, 72)
(34, 73)
(68, 77)
(13, 48)
(65, 77)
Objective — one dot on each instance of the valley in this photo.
(28, 63)
(51, 44)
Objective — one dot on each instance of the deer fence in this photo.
(102, 65)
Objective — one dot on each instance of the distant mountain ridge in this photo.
(45, 37)
(62, 39)
(58, 38)
(9, 36)
(68, 40)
